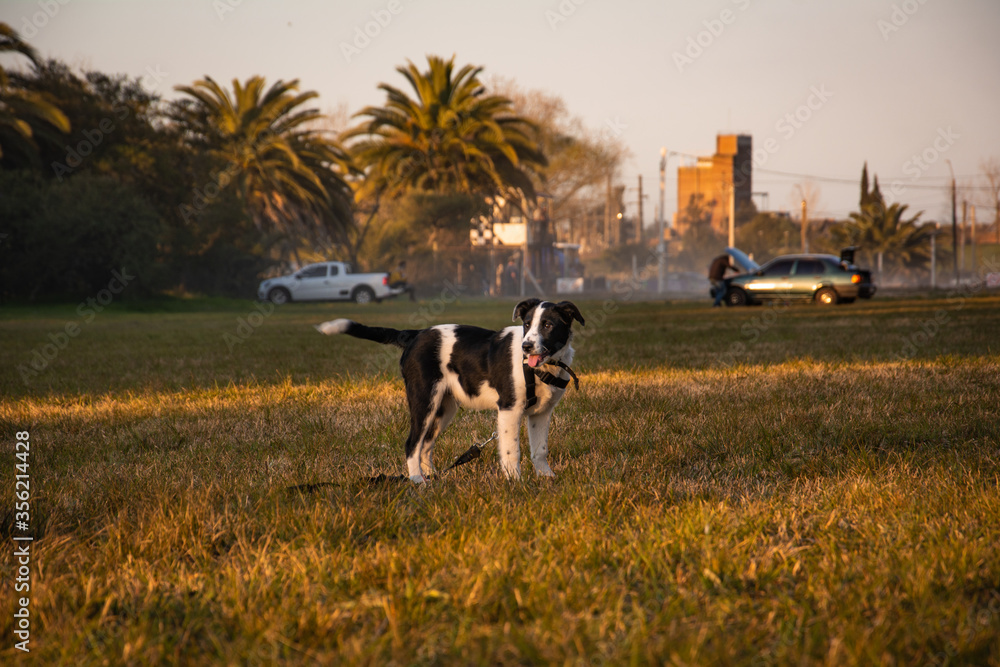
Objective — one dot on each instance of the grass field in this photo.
(756, 486)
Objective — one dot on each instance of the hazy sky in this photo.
(821, 86)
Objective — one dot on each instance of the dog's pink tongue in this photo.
(534, 360)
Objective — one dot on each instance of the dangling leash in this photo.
(475, 451)
(472, 453)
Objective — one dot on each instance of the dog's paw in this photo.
(542, 468)
(417, 479)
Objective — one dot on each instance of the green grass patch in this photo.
(796, 485)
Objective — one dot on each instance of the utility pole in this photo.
(954, 223)
(805, 226)
(961, 238)
(638, 223)
(972, 238)
(661, 247)
(934, 256)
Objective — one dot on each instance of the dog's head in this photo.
(547, 328)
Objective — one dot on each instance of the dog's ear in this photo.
(523, 308)
(569, 312)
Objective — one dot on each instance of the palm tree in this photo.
(881, 230)
(451, 137)
(291, 177)
(23, 112)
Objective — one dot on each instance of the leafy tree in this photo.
(24, 114)
(699, 242)
(289, 176)
(579, 160)
(450, 137)
(429, 227)
(66, 238)
(768, 235)
(882, 232)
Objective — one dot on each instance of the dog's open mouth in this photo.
(535, 360)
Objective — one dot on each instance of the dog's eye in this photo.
(547, 325)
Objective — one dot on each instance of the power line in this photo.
(856, 181)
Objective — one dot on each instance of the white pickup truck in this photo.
(327, 281)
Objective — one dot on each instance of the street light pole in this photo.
(661, 248)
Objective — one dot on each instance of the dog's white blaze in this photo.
(533, 336)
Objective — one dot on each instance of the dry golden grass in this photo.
(811, 501)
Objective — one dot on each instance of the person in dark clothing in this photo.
(397, 279)
(716, 273)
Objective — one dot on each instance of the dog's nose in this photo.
(527, 346)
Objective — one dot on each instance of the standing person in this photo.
(397, 279)
(716, 273)
(510, 277)
(499, 286)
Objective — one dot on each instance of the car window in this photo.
(782, 267)
(334, 269)
(314, 271)
(810, 267)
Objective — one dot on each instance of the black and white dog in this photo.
(454, 365)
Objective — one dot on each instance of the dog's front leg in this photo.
(538, 438)
(509, 435)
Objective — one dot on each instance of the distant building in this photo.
(713, 177)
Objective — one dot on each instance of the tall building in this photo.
(713, 177)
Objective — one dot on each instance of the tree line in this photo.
(205, 192)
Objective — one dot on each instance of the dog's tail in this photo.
(383, 335)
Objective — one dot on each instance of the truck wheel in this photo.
(279, 296)
(363, 295)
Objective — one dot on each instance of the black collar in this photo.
(547, 378)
